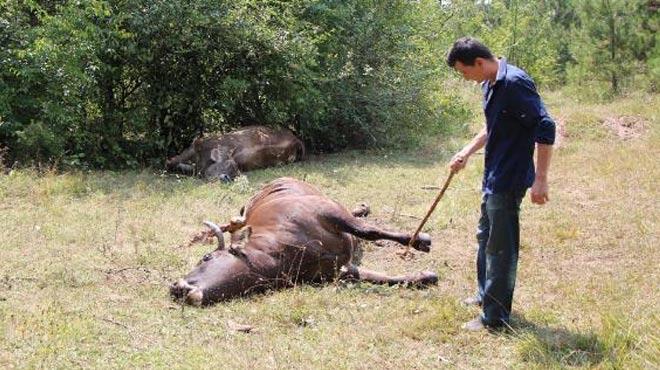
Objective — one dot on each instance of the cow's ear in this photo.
(240, 237)
(247, 231)
(215, 155)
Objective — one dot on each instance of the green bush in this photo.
(126, 83)
(110, 83)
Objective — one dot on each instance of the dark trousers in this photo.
(498, 235)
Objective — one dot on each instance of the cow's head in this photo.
(221, 274)
(221, 167)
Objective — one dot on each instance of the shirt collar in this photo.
(486, 86)
(501, 70)
(501, 74)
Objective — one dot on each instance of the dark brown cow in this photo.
(289, 233)
(223, 157)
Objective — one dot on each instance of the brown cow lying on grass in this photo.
(223, 157)
(290, 233)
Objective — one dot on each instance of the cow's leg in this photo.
(186, 169)
(178, 162)
(354, 273)
(300, 151)
(363, 230)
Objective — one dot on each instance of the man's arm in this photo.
(460, 159)
(526, 103)
(539, 192)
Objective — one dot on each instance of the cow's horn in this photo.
(218, 233)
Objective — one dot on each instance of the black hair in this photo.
(466, 50)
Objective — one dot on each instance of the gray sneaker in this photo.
(474, 325)
(471, 301)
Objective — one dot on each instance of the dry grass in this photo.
(87, 258)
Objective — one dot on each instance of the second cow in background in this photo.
(223, 157)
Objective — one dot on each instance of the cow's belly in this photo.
(323, 263)
(293, 234)
(314, 246)
(305, 258)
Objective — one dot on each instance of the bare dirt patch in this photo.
(561, 135)
(626, 127)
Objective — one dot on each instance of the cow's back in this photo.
(280, 188)
(259, 146)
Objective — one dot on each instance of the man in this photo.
(516, 123)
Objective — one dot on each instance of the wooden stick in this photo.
(428, 214)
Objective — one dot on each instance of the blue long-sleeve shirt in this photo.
(516, 119)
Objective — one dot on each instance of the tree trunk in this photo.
(613, 40)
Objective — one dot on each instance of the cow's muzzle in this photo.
(184, 291)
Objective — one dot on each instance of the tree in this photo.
(124, 83)
(606, 42)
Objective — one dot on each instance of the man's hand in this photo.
(539, 192)
(458, 162)
(460, 159)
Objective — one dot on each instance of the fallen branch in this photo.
(205, 236)
(243, 328)
(410, 216)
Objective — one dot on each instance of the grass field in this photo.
(87, 258)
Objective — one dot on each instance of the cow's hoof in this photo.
(423, 242)
(425, 278)
(428, 278)
(362, 210)
(236, 223)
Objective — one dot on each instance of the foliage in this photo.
(516, 30)
(377, 69)
(616, 37)
(125, 83)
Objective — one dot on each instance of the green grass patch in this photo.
(87, 258)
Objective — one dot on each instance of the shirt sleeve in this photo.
(526, 105)
(545, 131)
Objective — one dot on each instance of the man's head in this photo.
(472, 59)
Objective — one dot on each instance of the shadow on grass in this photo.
(559, 347)
(340, 168)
